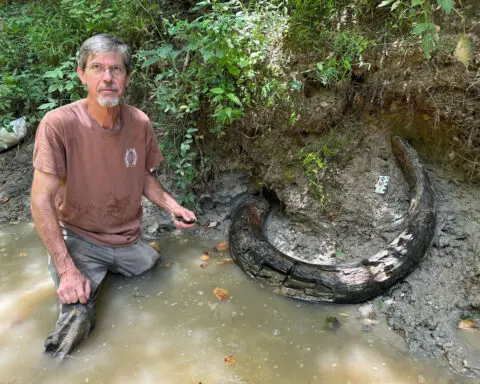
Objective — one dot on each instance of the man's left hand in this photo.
(183, 218)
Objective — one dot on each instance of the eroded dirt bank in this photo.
(427, 307)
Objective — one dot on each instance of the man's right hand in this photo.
(74, 287)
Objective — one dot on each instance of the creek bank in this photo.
(427, 306)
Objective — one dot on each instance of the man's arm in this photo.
(73, 285)
(153, 190)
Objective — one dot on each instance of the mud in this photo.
(357, 222)
(16, 174)
(426, 308)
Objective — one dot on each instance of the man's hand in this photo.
(189, 218)
(153, 190)
(74, 287)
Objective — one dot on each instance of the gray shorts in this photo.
(94, 260)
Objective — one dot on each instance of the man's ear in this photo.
(81, 75)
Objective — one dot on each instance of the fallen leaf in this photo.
(344, 314)
(155, 245)
(222, 246)
(221, 294)
(468, 324)
(331, 323)
(167, 265)
(204, 265)
(3, 199)
(230, 360)
(463, 51)
(332, 216)
(228, 261)
(204, 257)
(23, 254)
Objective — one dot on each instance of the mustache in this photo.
(109, 86)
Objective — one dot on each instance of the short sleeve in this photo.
(49, 152)
(153, 154)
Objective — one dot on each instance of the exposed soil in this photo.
(358, 222)
(436, 107)
(16, 172)
(426, 308)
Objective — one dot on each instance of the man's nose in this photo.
(107, 75)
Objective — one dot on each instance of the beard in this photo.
(108, 102)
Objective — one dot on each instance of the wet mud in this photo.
(425, 308)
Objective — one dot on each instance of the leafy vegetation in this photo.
(314, 165)
(420, 15)
(198, 73)
(218, 64)
(38, 43)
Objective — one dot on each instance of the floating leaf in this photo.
(228, 261)
(222, 246)
(230, 360)
(167, 265)
(463, 51)
(155, 245)
(23, 254)
(204, 265)
(468, 324)
(204, 257)
(343, 314)
(331, 323)
(221, 294)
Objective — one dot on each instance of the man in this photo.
(93, 161)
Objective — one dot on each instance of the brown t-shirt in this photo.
(102, 171)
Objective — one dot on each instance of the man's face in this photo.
(105, 77)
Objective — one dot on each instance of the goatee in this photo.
(108, 102)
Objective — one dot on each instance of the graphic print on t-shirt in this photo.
(131, 157)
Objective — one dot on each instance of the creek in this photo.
(168, 327)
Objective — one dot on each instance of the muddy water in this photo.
(168, 327)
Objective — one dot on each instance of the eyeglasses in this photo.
(99, 69)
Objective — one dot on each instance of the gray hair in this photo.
(104, 43)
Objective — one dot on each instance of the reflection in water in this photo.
(168, 327)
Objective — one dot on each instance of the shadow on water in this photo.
(168, 327)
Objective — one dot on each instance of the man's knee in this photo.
(136, 259)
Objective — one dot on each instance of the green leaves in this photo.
(217, 91)
(57, 73)
(422, 28)
(38, 41)
(213, 67)
(428, 45)
(234, 98)
(446, 5)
